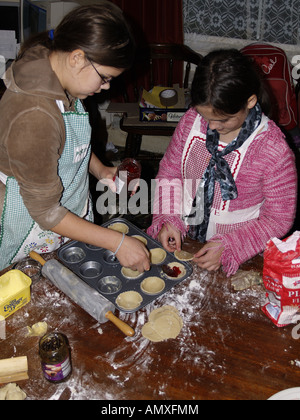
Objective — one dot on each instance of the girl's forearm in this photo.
(96, 166)
(81, 230)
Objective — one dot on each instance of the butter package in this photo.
(14, 292)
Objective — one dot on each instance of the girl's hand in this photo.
(209, 257)
(105, 174)
(170, 238)
(107, 177)
(133, 254)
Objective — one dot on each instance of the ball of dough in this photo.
(12, 392)
(37, 330)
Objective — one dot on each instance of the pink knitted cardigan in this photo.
(267, 175)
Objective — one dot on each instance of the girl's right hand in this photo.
(133, 254)
(170, 238)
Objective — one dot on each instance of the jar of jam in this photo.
(129, 170)
(55, 357)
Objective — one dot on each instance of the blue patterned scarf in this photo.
(218, 170)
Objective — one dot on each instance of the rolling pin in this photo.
(14, 369)
(81, 293)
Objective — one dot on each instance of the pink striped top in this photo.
(267, 176)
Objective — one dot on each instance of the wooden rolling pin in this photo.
(81, 293)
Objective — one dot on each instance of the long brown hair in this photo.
(225, 80)
(99, 30)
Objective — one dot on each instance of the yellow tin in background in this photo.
(14, 292)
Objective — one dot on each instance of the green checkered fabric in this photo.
(19, 233)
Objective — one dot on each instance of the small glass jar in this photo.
(55, 357)
(128, 174)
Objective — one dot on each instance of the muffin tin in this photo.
(102, 271)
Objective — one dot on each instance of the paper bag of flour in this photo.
(281, 277)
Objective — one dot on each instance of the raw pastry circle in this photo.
(140, 238)
(181, 268)
(163, 323)
(119, 227)
(130, 274)
(168, 326)
(129, 300)
(183, 256)
(153, 285)
(157, 255)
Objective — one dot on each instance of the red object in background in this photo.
(276, 71)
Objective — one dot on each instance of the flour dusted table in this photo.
(227, 349)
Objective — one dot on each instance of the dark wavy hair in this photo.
(225, 80)
(99, 30)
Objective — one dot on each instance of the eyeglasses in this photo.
(104, 80)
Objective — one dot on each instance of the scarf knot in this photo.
(218, 170)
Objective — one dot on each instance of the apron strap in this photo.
(3, 178)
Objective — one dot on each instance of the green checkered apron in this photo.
(20, 234)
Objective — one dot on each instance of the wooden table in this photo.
(227, 349)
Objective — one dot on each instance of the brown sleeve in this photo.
(33, 146)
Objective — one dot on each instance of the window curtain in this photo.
(258, 20)
(154, 21)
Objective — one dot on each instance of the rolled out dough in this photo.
(12, 392)
(140, 238)
(130, 274)
(183, 256)
(181, 268)
(164, 323)
(153, 285)
(129, 300)
(157, 255)
(119, 227)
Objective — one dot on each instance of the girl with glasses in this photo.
(45, 136)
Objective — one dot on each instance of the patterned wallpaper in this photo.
(265, 20)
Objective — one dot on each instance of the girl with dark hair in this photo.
(236, 173)
(45, 136)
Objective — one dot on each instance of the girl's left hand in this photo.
(209, 257)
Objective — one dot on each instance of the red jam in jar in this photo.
(129, 170)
